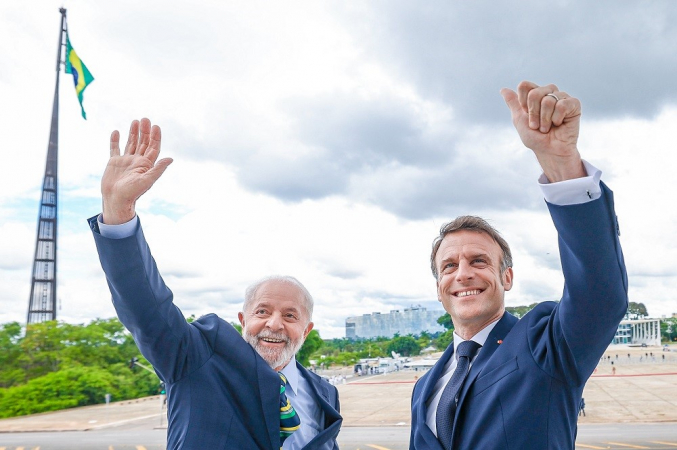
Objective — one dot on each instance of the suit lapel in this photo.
(269, 384)
(426, 390)
(497, 335)
(320, 390)
(332, 419)
(434, 375)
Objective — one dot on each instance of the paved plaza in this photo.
(643, 389)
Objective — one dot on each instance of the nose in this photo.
(465, 271)
(274, 322)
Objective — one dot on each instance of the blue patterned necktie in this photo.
(446, 409)
(289, 420)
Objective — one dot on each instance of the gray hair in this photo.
(471, 223)
(250, 293)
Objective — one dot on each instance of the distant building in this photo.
(638, 332)
(413, 320)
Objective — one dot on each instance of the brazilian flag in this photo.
(81, 76)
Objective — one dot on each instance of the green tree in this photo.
(669, 329)
(520, 311)
(75, 386)
(637, 310)
(424, 339)
(43, 348)
(312, 343)
(404, 345)
(237, 327)
(344, 359)
(100, 343)
(444, 339)
(372, 350)
(446, 322)
(55, 365)
(10, 350)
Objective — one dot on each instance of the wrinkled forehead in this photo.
(467, 243)
(279, 295)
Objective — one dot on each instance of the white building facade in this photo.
(413, 320)
(638, 332)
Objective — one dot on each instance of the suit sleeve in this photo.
(570, 341)
(144, 305)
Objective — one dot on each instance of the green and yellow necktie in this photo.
(289, 420)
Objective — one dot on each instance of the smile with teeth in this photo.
(272, 340)
(467, 293)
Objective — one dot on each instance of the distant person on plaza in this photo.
(224, 391)
(506, 383)
(582, 407)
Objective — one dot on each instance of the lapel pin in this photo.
(499, 342)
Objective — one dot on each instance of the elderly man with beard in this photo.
(223, 391)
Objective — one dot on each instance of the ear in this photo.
(307, 330)
(507, 279)
(240, 317)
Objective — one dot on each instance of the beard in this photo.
(273, 356)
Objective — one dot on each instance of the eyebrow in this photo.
(481, 255)
(472, 256)
(266, 304)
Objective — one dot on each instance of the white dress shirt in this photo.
(434, 399)
(301, 397)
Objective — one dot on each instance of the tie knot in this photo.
(467, 349)
(283, 378)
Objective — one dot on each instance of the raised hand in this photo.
(127, 177)
(548, 122)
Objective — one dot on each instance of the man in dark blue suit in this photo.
(223, 391)
(506, 383)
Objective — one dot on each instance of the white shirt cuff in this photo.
(575, 191)
(117, 231)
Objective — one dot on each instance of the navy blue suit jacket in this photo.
(221, 394)
(525, 385)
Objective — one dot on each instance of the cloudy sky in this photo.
(330, 140)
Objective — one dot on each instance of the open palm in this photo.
(128, 176)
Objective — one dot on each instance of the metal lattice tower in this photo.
(42, 301)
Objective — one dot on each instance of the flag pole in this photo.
(42, 300)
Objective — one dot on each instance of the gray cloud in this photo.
(648, 274)
(380, 148)
(388, 297)
(535, 291)
(450, 190)
(349, 136)
(337, 270)
(382, 152)
(363, 133)
(314, 176)
(616, 57)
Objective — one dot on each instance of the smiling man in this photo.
(276, 319)
(505, 383)
(223, 391)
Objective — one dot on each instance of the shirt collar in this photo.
(480, 337)
(291, 372)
